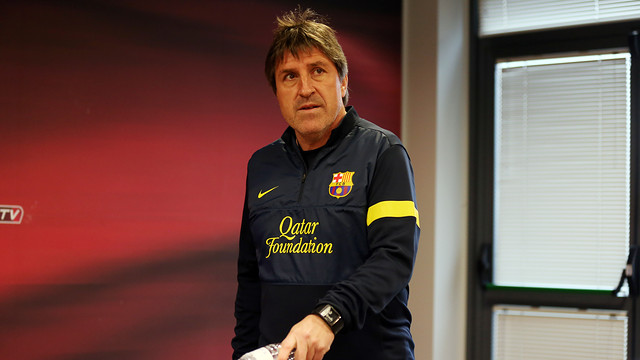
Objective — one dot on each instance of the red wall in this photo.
(125, 129)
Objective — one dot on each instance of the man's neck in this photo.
(308, 144)
(315, 141)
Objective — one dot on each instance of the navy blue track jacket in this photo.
(341, 230)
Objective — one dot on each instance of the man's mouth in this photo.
(308, 107)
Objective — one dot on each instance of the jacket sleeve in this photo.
(247, 305)
(392, 231)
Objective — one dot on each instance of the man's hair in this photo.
(303, 30)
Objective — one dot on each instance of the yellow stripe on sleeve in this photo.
(392, 209)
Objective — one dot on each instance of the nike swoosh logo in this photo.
(261, 194)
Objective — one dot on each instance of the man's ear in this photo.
(344, 85)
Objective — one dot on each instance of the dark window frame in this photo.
(483, 55)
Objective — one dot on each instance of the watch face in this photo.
(329, 314)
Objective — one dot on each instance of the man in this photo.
(330, 226)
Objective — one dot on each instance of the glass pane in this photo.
(562, 172)
(526, 333)
(505, 16)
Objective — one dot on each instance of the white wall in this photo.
(435, 131)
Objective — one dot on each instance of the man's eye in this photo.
(318, 71)
(289, 76)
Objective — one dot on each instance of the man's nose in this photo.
(306, 86)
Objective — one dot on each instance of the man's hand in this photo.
(311, 338)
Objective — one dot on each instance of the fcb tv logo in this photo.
(11, 214)
(341, 184)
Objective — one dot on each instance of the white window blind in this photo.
(505, 16)
(561, 207)
(557, 334)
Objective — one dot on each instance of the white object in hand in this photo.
(267, 352)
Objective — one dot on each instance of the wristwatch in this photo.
(331, 316)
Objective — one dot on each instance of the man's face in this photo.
(309, 93)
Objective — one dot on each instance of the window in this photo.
(553, 151)
(505, 16)
(558, 333)
(561, 174)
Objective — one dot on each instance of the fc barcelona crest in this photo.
(341, 184)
